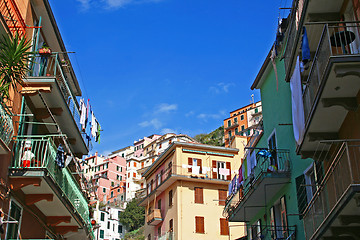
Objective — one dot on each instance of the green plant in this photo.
(14, 63)
(134, 216)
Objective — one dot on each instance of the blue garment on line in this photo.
(305, 48)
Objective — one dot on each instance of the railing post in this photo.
(328, 37)
(349, 162)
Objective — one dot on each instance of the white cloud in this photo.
(206, 116)
(165, 108)
(188, 114)
(85, 4)
(221, 87)
(111, 4)
(167, 130)
(154, 123)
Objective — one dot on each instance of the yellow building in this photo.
(186, 191)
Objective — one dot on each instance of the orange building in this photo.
(241, 122)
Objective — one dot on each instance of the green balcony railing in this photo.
(39, 153)
(6, 124)
(50, 65)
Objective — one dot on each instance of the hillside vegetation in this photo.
(215, 138)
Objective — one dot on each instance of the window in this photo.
(199, 198)
(134, 164)
(242, 127)
(224, 226)
(255, 230)
(120, 169)
(159, 204)
(230, 134)
(134, 174)
(199, 225)
(222, 197)
(149, 237)
(108, 225)
(123, 155)
(229, 123)
(171, 225)
(242, 117)
(159, 145)
(159, 232)
(120, 178)
(112, 184)
(101, 233)
(14, 214)
(222, 170)
(104, 190)
(142, 165)
(118, 190)
(102, 216)
(117, 168)
(256, 110)
(235, 120)
(195, 165)
(120, 229)
(128, 175)
(170, 198)
(112, 194)
(170, 141)
(236, 131)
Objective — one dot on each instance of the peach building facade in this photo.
(186, 192)
(242, 121)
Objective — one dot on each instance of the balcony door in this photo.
(272, 148)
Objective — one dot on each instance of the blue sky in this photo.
(157, 66)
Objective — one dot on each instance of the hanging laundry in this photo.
(97, 139)
(241, 177)
(68, 160)
(60, 157)
(87, 112)
(305, 49)
(83, 114)
(273, 57)
(94, 126)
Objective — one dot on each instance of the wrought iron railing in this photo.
(344, 171)
(167, 236)
(270, 163)
(39, 153)
(274, 232)
(337, 40)
(6, 124)
(50, 65)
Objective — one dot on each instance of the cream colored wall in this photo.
(210, 210)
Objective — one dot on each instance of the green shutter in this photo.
(301, 194)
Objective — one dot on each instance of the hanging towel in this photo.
(241, 178)
(305, 49)
(196, 170)
(253, 160)
(68, 160)
(93, 125)
(97, 139)
(60, 157)
(83, 114)
(87, 112)
(297, 104)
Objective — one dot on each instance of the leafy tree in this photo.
(14, 63)
(215, 138)
(134, 216)
(137, 234)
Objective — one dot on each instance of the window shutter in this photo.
(222, 197)
(214, 173)
(199, 198)
(228, 166)
(199, 225)
(224, 226)
(190, 164)
(199, 165)
(301, 194)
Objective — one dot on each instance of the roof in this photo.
(171, 148)
(262, 71)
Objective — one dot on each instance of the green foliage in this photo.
(14, 60)
(215, 138)
(137, 234)
(134, 216)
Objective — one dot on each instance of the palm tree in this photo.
(14, 63)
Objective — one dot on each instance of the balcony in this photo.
(333, 212)
(269, 175)
(35, 175)
(166, 236)
(272, 232)
(333, 81)
(234, 125)
(48, 88)
(154, 217)
(6, 128)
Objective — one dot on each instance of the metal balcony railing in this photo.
(274, 232)
(6, 124)
(337, 40)
(166, 236)
(39, 153)
(344, 171)
(277, 162)
(50, 65)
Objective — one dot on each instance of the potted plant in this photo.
(45, 50)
